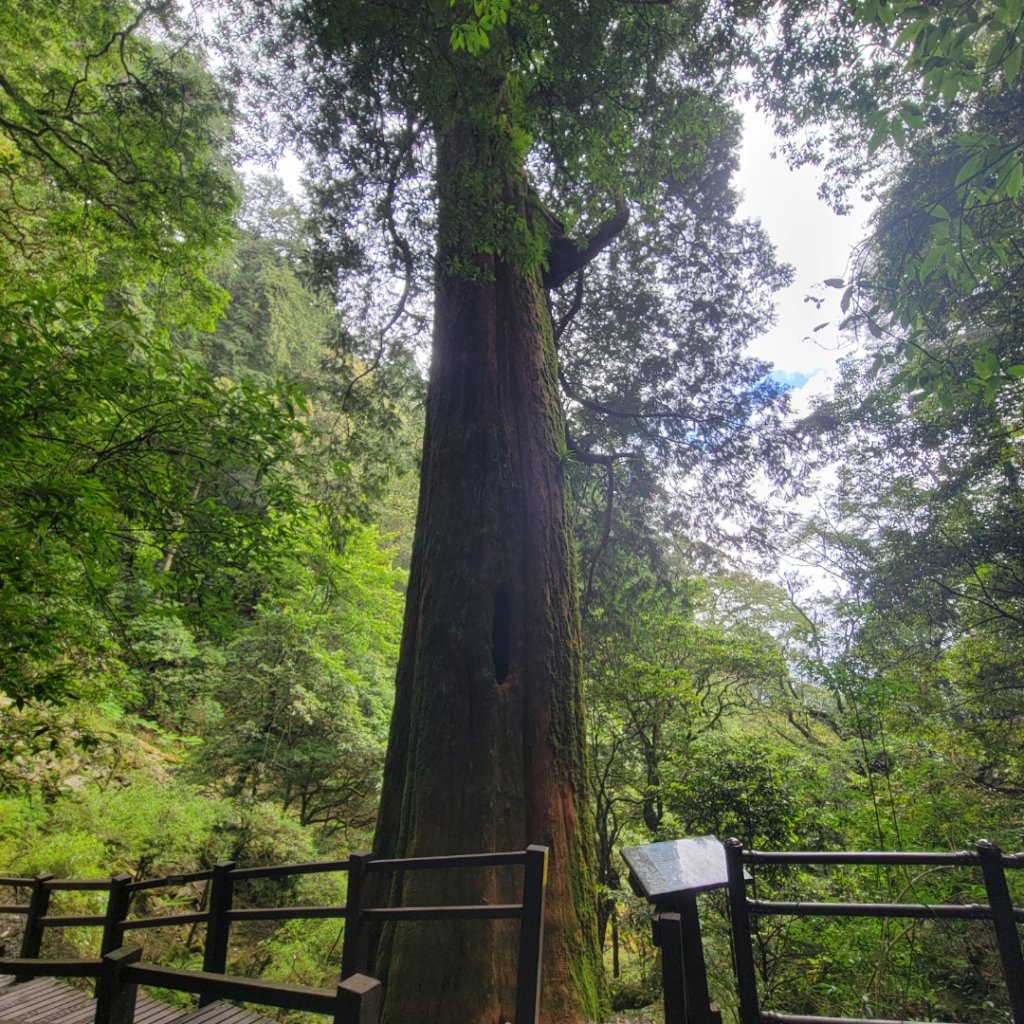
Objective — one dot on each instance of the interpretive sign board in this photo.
(659, 871)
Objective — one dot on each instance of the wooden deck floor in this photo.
(45, 1001)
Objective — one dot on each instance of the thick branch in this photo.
(565, 257)
(570, 314)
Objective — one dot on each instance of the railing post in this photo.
(355, 949)
(38, 905)
(695, 972)
(118, 901)
(1004, 924)
(115, 994)
(531, 934)
(668, 938)
(215, 956)
(358, 1000)
(742, 945)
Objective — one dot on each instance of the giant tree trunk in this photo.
(486, 748)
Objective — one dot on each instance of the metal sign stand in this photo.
(670, 876)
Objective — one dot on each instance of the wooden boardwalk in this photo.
(46, 1001)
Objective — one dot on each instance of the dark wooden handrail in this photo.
(999, 910)
(169, 880)
(56, 967)
(164, 920)
(448, 912)
(77, 884)
(120, 969)
(284, 870)
(454, 860)
(279, 994)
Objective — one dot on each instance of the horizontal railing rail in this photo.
(285, 913)
(999, 910)
(119, 968)
(957, 911)
(169, 881)
(455, 860)
(222, 986)
(164, 920)
(284, 870)
(52, 967)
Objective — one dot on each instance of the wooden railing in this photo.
(119, 973)
(356, 1000)
(999, 910)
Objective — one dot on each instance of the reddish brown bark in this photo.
(486, 746)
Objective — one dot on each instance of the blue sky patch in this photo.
(791, 378)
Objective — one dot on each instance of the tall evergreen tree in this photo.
(437, 125)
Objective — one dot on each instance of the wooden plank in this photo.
(151, 1011)
(38, 991)
(160, 1013)
(45, 1001)
(83, 1014)
(22, 987)
(225, 1013)
(41, 1007)
(212, 1013)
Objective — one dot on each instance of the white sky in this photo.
(810, 237)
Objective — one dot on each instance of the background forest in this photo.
(210, 418)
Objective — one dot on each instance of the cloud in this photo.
(792, 378)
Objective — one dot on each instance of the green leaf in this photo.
(913, 31)
(1014, 179)
(950, 87)
(1016, 371)
(912, 116)
(878, 137)
(1012, 62)
(898, 132)
(931, 261)
(834, 282)
(970, 168)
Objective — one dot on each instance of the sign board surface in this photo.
(662, 870)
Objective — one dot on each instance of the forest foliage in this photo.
(209, 428)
